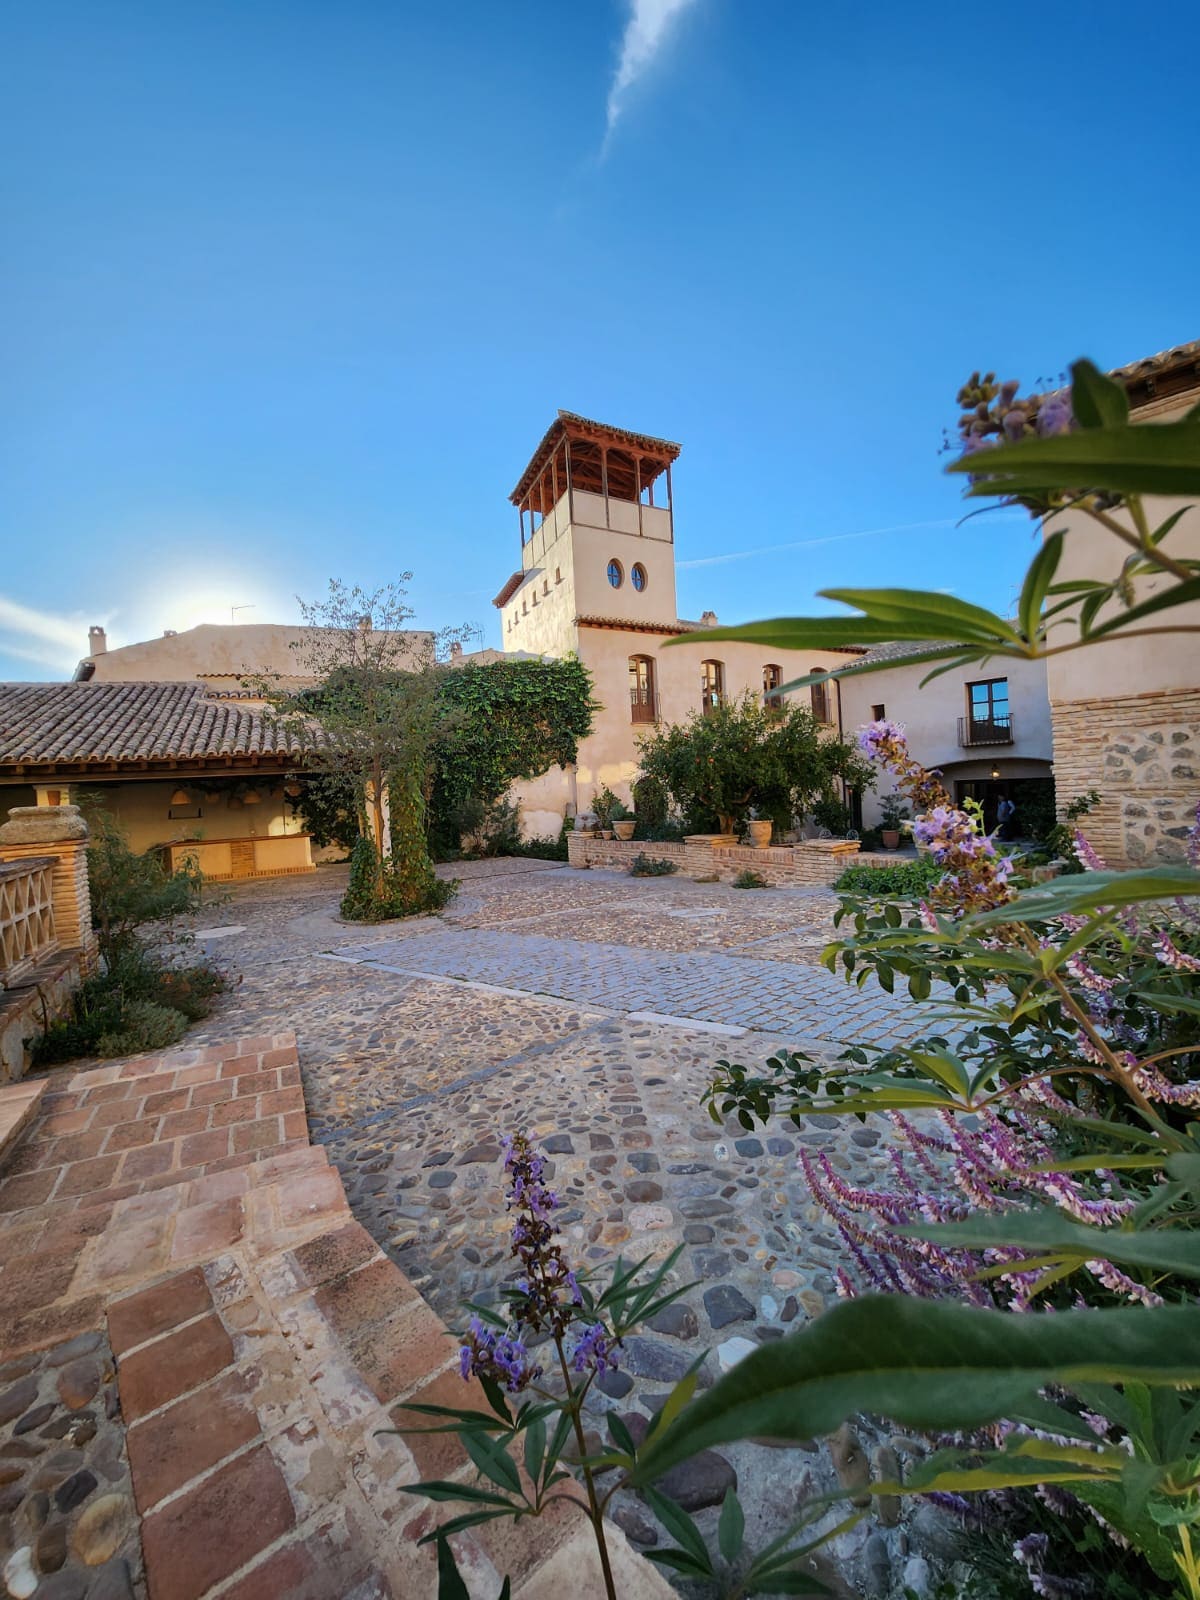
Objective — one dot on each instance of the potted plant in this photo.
(605, 804)
(892, 812)
(623, 822)
(759, 829)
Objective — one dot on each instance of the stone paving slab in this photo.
(808, 1003)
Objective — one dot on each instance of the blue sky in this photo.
(291, 290)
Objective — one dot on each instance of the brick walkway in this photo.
(262, 1342)
(806, 1002)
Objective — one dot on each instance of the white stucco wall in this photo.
(930, 716)
(1130, 666)
(215, 650)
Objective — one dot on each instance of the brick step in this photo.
(139, 1125)
(256, 1389)
(19, 1105)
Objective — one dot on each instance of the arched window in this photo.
(772, 678)
(616, 573)
(637, 576)
(712, 684)
(820, 698)
(641, 689)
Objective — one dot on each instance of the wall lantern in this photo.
(181, 798)
(995, 773)
(293, 790)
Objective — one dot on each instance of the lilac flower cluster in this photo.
(549, 1294)
(993, 1167)
(1030, 1553)
(490, 1353)
(992, 414)
(594, 1352)
(977, 875)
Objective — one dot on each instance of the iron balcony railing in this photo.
(974, 731)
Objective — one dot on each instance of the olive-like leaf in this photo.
(925, 1364)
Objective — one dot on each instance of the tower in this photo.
(597, 540)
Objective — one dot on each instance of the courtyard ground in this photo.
(589, 1008)
(149, 1200)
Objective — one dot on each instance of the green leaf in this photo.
(1052, 1234)
(492, 1459)
(535, 1447)
(1088, 891)
(679, 1561)
(1185, 1169)
(450, 1583)
(1097, 401)
(1180, 593)
(437, 1489)
(470, 1519)
(621, 1435)
(925, 1364)
(931, 616)
(731, 1528)
(679, 1525)
(677, 1399)
(1037, 583)
(1133, 459)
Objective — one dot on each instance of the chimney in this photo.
(708, 619)
(97, 640)
(456, 651)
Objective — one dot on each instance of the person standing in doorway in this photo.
(1005, 817)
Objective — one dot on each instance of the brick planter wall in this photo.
(813, 863)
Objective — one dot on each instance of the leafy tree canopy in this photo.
(742, 756)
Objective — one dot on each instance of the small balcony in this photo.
(975, 732)
(641, 706)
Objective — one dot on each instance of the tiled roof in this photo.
(51, 724)
(632, 625)
(898, 650)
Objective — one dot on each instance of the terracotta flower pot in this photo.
(606, 833)
(891, 838)
(624, 830)
(760, 834)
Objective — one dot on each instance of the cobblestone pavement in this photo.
(422, 1043)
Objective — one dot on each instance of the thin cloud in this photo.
(46, 638)
(645, 35)
(809, 544)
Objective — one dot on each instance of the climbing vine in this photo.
(498, 722)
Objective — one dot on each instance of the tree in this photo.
(366, 728)
(743, 756)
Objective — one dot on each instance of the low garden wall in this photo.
(813, 862)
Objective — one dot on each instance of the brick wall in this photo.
(1142, 752)
(816, 862)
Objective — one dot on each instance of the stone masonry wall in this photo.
(1142, 752)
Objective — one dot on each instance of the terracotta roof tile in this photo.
(43, 724)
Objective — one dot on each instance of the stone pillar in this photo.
(61, 832)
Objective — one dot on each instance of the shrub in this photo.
(750, 880)
(650, 804)
(644, 866)
(907, 878)
(830, 812)
(378, 893)
(606, 808)
(140, 999)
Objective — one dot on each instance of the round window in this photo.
(637, 576)
(616, 574)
